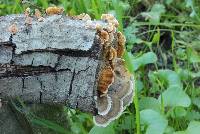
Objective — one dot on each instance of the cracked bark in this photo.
(53, 62)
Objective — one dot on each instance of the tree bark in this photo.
(55, 61)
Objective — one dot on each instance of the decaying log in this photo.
(54, 61)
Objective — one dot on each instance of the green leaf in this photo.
(149, 103)
(169, 130)
(139, 85)
(196, 101)
(189, 4)
(170, 77)
(175, 96)
(128, 122)
(180, 132)
(193, 128)
(193, 55)
(168, 1)
(128, 60)
(99, 130)
(185, 74)
(178, 112)
(154, 14)
(156, 37)
(181, 54)
(192, 115)
(146, 58)
(130, 32)
(154, 120)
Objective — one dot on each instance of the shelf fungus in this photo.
(115, 83)
(54, 10)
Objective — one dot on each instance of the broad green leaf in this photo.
(192, 115)
(196, 101)
(193, 128)
(169, 130)
(139, 85)
(154, 14)
(175, 96)
(99, 130)
(180, 132)
(149, 103)
(146, 58)
(156, 123)
(178, 112)
(185, 74)
(170, 77)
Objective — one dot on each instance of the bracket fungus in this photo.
(116, 84)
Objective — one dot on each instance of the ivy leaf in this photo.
(154, 120)
(175, 96)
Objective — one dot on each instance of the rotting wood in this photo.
(59, 60)
(54, 61)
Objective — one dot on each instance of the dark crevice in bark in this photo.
(20, 71)
(32, 62)
(58, 61)
(23, 84)
(82, 70)
(92, 52)
(71, 83)
(76, 104)
(40, 97)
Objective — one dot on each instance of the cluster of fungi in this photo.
(115, 83)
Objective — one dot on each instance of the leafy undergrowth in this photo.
(163, 53)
